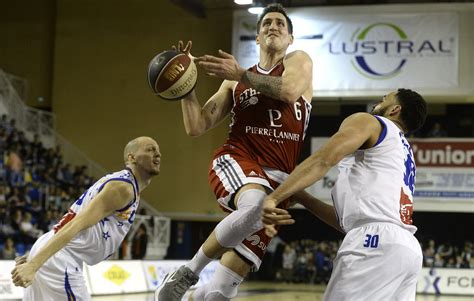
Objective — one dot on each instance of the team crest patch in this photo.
(248, 98)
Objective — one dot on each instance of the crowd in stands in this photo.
(299, 261)
(310, 261)
(443, 255)
(36, 188)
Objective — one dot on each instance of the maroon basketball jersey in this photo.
(269, 130)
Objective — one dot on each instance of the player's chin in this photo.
(154, 171)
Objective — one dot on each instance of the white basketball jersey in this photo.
(377, 184)
(94, 244)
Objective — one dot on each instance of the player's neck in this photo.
(399, 124)
(143, 178)
(270, 59)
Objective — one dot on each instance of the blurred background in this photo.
(73, 92)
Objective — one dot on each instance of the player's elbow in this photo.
(290, 93)
(195, 131)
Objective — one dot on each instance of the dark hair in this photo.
(275, 8)
(414, 111)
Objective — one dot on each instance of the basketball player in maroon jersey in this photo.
(270, 110)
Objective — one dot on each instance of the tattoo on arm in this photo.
(266, 84)
(214, 108)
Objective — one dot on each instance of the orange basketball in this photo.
(172, 75)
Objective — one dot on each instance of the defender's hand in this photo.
(272, 216)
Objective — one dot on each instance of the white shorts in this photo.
(60, 278)
(378, 261)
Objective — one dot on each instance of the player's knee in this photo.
(250, 199)
(243, 221)
(250, 202)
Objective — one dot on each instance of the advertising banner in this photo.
(7, 289)
(446, 281)
(155, 271)
(355, 52)
(445, 169)
(116, 277)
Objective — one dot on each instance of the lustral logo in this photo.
(391, 44)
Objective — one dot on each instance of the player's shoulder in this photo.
(121, 186)
(362, 119)
(298, 54)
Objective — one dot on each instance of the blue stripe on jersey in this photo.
(134, 180)
(384, 131)
(67, 288)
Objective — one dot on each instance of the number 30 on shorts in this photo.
(371, 241)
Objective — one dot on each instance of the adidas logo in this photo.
(253, 174)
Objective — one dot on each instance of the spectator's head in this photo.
(27, 217)
(9, 243)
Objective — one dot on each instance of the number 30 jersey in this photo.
(377, 184)
(269, 130)
(96, 243)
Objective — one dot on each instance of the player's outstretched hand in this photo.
(272, 216)
(224, 66)
(23, 274)
(185, 49)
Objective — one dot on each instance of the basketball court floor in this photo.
(269, 291)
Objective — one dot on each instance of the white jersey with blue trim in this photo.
(377, 184)
(96, 243)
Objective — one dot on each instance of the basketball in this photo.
(172, 75)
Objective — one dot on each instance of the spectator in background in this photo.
(139, 243)
(289, 259)
(29, 230)
(437, 131)
(15, 167)
(429, 253)
(268, 265)
(438, 261)
(445, 251)
(8, 251)
(4, 121)
(6, 228)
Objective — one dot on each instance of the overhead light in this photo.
(256, 10)
(243, 2)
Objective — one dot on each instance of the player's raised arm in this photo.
(114, 196)
(356, 131)
(199, 120)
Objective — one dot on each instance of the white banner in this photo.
(354, 52)
(446, 282)
(7, 289)
(155, 271)
(116, 277)
(444, 172)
